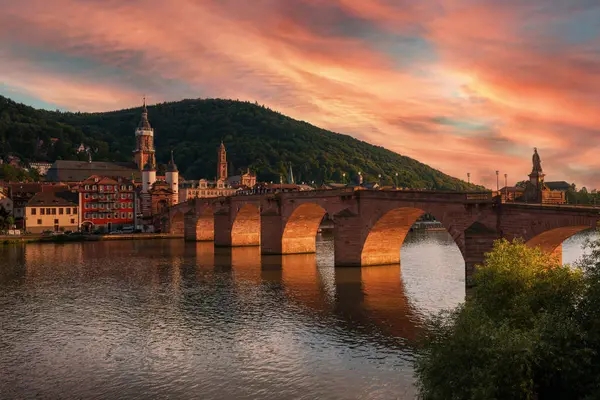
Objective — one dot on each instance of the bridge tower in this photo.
(172, 177)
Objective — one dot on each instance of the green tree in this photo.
(530, 330)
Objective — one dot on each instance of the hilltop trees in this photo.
(256, 137)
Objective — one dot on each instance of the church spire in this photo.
(172, 167)
(290, 178)
(144, 123)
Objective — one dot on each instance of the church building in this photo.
(156, 195)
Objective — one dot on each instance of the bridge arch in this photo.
(177, 224)
(552, 239)
(245, 230)
(301, 228)
(385, 237)
(200, 225)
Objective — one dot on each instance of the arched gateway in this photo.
(370, 225)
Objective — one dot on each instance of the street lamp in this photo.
(469, 178)
(497, 181)
(344, 177)
(506, 187)
(396, 181)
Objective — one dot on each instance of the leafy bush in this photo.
(530, 329)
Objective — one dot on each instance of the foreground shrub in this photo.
(530, 330)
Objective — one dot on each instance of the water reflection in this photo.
(147, 319)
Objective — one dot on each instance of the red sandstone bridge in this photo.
(370, 225)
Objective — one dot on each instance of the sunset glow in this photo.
(461, 85)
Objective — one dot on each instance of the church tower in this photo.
(172, 177)
(221, 163)
(144, 142)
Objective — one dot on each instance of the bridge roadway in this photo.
(370, 225)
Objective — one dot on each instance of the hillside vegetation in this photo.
(255, 136)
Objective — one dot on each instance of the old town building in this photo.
(246, 180)
(52, 211)
(21, 193)
(205, 189)
(106, 203)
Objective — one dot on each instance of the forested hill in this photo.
(255, 136)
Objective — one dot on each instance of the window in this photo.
(56, 221)
(87, 187)
(33, 211)
(102, 205)
(54, 211)
(68, 210)
(87, 196)
(86, 215)
(48, 212)
(95, 215)
(116, 215)
(130, 187)
(116, 188)
(61, 211)
(130, 215)
(123, 215)
(72, 220)
(123, 195)
(101, 188)
(39, 221)
(101, 196)
(74, 210)
(94, 196)
(123, 187)
(94, 187)
(42, 211)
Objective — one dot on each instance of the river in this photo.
(169, 319)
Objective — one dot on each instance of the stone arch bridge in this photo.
(370, 225)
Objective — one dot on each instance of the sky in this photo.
(466, 86)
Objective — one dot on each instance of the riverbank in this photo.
(7, 240)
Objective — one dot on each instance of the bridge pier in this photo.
(271, 233)
(222, 235)
(479, 240)
(348, 239)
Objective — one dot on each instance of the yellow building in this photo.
(52, 211)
